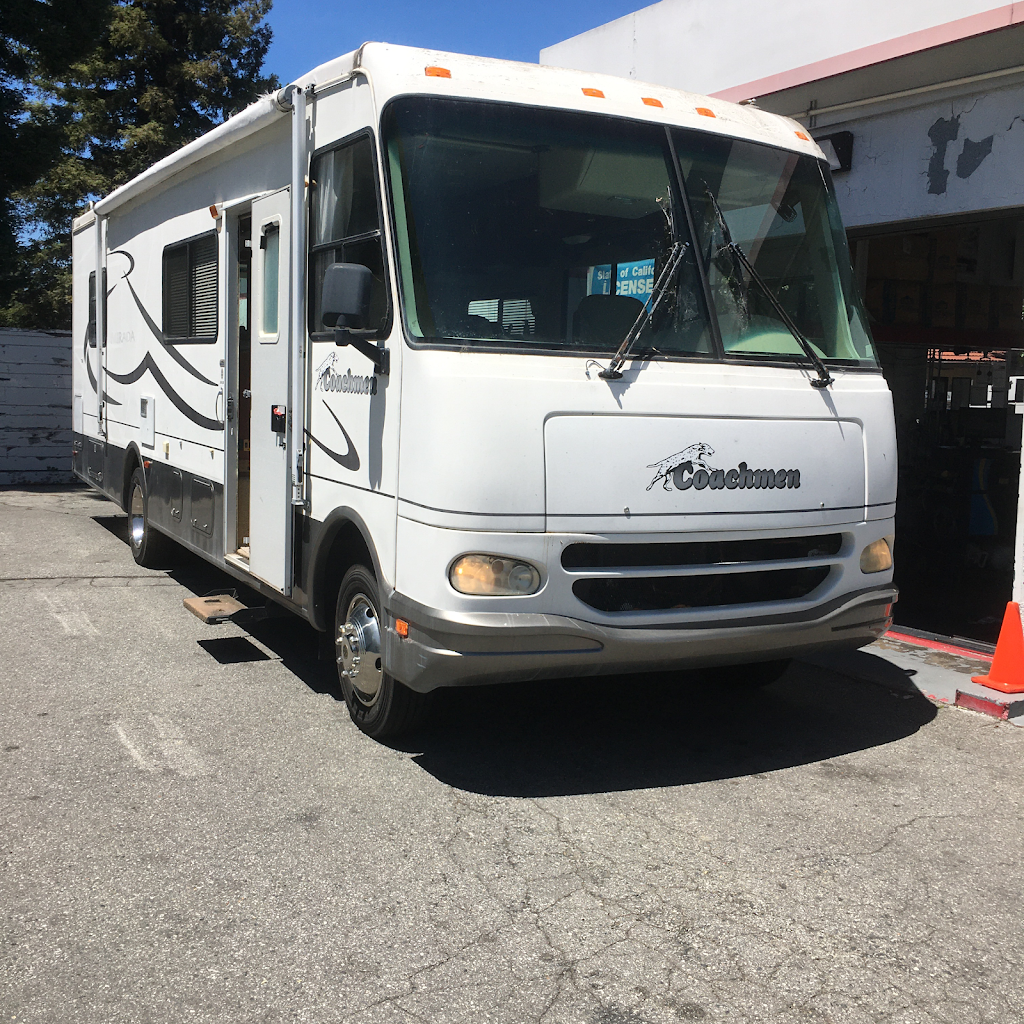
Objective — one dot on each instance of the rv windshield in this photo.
(545, 230)
(779, 207)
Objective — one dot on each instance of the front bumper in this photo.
(471, 648)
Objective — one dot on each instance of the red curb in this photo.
(934, 645)
(986, 706)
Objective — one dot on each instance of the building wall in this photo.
(949, 156)
(708, 46)
(35, 407)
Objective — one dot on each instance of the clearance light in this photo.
(650, 101)
(877, 556)
(706, 112)
(802, 135)
(434, 72)
(402, 628)
(596, 93)
(493, 576)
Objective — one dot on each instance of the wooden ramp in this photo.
(214, 608)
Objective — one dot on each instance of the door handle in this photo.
(216, 404)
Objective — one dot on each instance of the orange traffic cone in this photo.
(1007, 671)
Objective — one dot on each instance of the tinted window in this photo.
(538, 228)
(190, 290)
(779, 207)
(345, 224)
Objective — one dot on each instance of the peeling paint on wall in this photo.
(942, 133)
(939, 158)
(973, 153)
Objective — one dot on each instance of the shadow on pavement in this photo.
(607, 733)
(292, 639)
(638, 732)
(117, 525)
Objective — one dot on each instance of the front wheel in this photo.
(379, 705)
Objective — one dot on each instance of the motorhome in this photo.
(495, 372)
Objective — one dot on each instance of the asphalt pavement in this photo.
(191, 829)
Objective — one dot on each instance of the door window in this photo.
(271, 244)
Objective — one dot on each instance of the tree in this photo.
(163, 73)
(46, 37)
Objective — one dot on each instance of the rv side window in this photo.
(345, 225)
(90, 331)
(190, 290)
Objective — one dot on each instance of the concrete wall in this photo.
(35, 407)
(708, 46)
(946, 157)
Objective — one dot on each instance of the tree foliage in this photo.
(159, 74)
(36, 38)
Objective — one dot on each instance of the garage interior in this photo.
(945, 301)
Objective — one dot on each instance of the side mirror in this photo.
(345, 300)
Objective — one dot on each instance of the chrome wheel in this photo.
(137, 516)
(358, 648)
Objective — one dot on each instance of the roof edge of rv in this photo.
(267, 108)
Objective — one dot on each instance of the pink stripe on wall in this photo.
(962, 28)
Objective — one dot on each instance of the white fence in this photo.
(35, 407)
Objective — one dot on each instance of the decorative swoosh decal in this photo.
(176, 400)
(131, 260)
(92, 377)
(159, 335)
(350, 460)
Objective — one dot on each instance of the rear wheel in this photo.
(379, 705)
(150, 548)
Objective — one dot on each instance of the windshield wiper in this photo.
(665, 278)
(824, 378)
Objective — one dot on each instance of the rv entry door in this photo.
(270, 511)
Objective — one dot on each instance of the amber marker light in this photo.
(596, 93)
(650, 101)
(802, 135)
(402, 628)
(706, 112)
(435, 72)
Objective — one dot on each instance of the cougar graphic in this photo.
(695, 455)
(325, 367)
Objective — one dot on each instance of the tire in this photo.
(379, 704)
(753, 675)
(150, 548)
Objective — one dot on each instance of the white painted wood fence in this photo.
(35, 407)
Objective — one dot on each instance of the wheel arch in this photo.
(342, 541)
(132, 461)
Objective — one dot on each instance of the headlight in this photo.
(493, 576)
(877, 556)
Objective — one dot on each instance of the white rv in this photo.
(497, 372)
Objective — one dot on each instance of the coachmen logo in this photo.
(690, 468)
(329, 380)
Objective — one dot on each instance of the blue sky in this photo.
(309, 32)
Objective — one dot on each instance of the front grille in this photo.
(635, 556)
(660, 593)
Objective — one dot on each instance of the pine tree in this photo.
(163, 73)
(43, 37)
